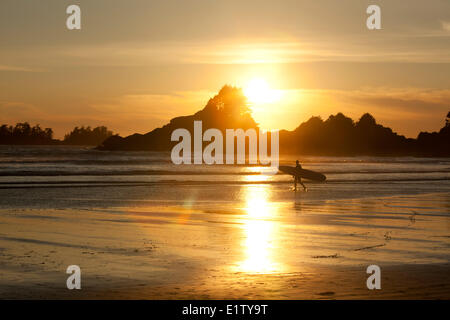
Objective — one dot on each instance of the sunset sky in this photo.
(136, 64)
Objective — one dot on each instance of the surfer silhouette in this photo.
(297, 178)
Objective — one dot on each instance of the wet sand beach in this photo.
(246, 248)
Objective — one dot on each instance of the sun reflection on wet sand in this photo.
(259, 232)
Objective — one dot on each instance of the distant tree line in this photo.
(436, 142)
(340, 135)
(25, 134)
(87, 136)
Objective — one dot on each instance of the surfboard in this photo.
(303, 173)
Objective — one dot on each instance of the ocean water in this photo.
(49, 176)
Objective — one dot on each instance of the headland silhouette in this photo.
(338, 135)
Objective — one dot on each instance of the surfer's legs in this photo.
(304, 187)
(295, 183)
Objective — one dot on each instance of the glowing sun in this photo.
(258, 91)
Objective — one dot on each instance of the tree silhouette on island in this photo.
(87, 136)
(229, 109)
(336, 136)
(24, 134)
